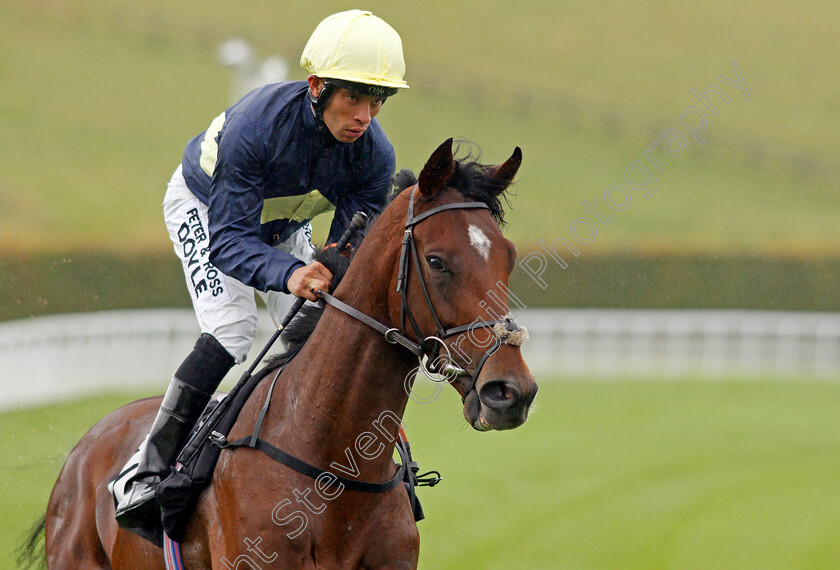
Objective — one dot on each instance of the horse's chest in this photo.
(384, 538)
(354, 531)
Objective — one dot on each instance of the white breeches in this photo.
(225, 307)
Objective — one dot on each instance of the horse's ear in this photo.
(437, 170)
(507, 170)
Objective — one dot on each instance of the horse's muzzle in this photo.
(499, 404)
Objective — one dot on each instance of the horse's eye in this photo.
(435, 263)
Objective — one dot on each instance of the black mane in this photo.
(469, 177)
(299, 330)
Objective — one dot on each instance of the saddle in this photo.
(179, 492)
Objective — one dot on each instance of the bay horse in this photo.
(338, 403)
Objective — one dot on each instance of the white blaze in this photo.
(479, 241)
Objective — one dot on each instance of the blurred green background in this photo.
(97, 100)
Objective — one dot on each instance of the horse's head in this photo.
(450, 287)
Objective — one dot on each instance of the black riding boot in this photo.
(189, 392)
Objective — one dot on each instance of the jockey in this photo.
(239, 205)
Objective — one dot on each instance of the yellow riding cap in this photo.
(356, 46)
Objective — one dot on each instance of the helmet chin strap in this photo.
(320, 102)
(329, 87)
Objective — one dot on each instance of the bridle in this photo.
(428, 349)
(506, 331)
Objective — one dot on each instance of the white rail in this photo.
(674, 344)
(64, 356)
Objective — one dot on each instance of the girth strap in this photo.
(311, 471)
(296, 464)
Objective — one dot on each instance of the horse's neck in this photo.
(344, 392)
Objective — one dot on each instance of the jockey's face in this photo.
(348, 114)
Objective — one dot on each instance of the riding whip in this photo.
(360, 219)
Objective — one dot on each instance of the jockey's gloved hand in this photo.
(307, 278)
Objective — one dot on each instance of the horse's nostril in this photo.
(532, 395)
(498, 394)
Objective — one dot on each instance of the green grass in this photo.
(99, 98)
(618, 474)
(35, 444)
